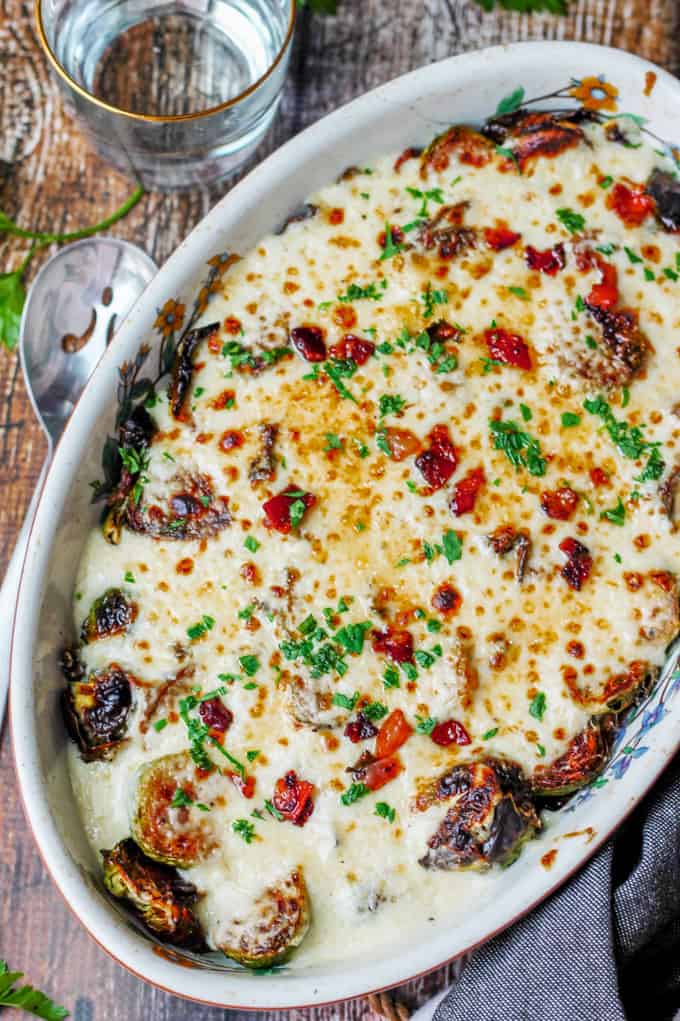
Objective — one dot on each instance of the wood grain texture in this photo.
(50, 178)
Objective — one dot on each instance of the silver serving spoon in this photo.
(72, 309)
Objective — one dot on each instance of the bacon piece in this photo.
(396, 644)
(231, 439)
(358, 349)
(605, 294)
(632, 204)
(293, 798)
(309, 343)
(579, 563)
(438, 463)
(508, 348)
(246, 785)
(360, 729)
(392, 734)
(500, 237)
(559, 504)
(215, 715)
(466, 491)
(278, 508)
(506, 538)
(446, 233)
(598, 477)
(549, 261)
(450, 732)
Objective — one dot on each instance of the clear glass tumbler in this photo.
(178, 92)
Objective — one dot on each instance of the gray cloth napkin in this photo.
(605, 947)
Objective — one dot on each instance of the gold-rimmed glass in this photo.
(178, 92)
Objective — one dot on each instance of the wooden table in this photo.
(50, 179)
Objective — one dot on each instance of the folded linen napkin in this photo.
(605, 947)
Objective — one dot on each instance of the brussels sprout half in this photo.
(97, 708)
(156, 893)
(585, 757)
(277, 925)
(166, 823)
(111, 614)
(491, 819)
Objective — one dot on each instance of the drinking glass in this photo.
(178, 92)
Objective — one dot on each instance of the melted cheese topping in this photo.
(372, 547)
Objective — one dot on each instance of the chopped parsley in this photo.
(520, 448)
(251, 544)
(244, 829)
(425, 725)
(355, 292)
(525, 412)
(591, 343)
(570, 219)
(390, 248)
(430, 299)
(519, 292)
(649, 275)
(606, 182)
(617, 558)
(617, 515)
(204, 625)
(354, 792)
(333, 442)
(490, 363)
(569, 419)
(252, 755)
(160, 725)
(384, 811)
(239, 355)
(489, 734)
(374, 711)
(246, 613)
(273, 810)
(431, 195)
(344, 701)
(129, 577)
(249, 664)
(181, 799)
(352, 636)
(633, 257)
(450, 547)
(537, 706)
(629, 439)
(391, 677)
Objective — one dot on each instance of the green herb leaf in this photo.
(383, 810)
(521, 449)
(26, 998)
(374, 711)
(197, 631)
(425, 725)
(344, 702)
(570, 219)
(12, 298)
(390, 248)
(519, 292)
(181, 799)
(249, 664)
(511, 102)
(251, 544)
(489, 734)
(354, 792)
(537, 706)
(391, 404)
(569, 419)
(244, 829)
(391, 677)
(451, 546)
(617, 515)
(355, 292)
(526, 412)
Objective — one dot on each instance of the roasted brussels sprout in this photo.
(584, 758)
(124, 469)
(617, 692)
(166, 822)
(277, 925)
(190, 510)
(156, 893)
(665, 190)
(492, 817)
(96, 708)
(111, 614)
(470, 146)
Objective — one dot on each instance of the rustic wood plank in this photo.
(51, 179)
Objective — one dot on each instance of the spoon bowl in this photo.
(69, 318)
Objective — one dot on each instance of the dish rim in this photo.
(100, 921)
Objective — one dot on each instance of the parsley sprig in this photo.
(26, 998)
(520, 448)
(629, 439)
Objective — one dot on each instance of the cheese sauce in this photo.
(504, 641)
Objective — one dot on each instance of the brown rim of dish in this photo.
(156, 118)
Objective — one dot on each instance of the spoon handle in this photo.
(10, 590)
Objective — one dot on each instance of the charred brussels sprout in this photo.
(111, 614)
(126, 474)
(97, 707)
(490, 820)
(618, 691)
(156, 893)
(166, 822)
(584, 758)
(665, 190)
(277, 925)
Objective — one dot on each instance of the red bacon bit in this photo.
(223, 399)
(293, 798)
(446, 599)
(232, 325)
(360, 729)
(412, 153)
(309, 343)
(508, 348)
(231, 439)
(277, 509)
(401, 442)
(559, 504)
(579, 563)
(215, 345)
(500, 237)
(381, 772)
(598, 477)
(606, 293)
(215, 715)
(549, 261)
(393, 733)
(246, 785)
(632, 205)
(397, 236)
(358, 349)
(664, 579)
(438, 464)
(450, 732)
(466, 491)
(398, 645)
